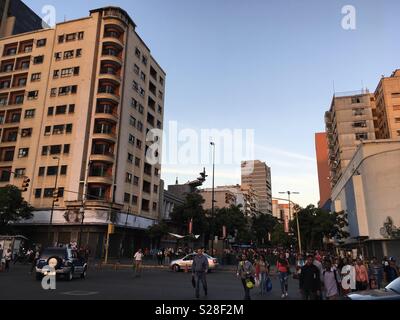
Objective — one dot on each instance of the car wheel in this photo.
(69, 276)
(39, 276)
(176, 268)
(83, 275)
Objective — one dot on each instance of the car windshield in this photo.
(47, 253)
(394, 286)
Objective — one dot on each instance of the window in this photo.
(61, 39)
(70, 37)
(136, 69)
(141, 109)
(159, 109)
(67, 72)
(132, 121)
(23, 152)
(52, 171)
(360, 124)
(19, 99)
(143, 76)
(47, 130)
(20, 172)
(33, 95)
(355, 100)
(154, 206)
(41, 43)
(57, 56)
(137, 53)
(134, 103)
(396, 108)
(140, 126)
(68, 128)
(36, 77)
(361, 136)
(38, 60)
(137, 162)
(56, 149)
(48, 193)
(397, 120)
(78, 53)
(63, 170)
(58, 129)
(53, 92)
(134, 200)
(161, 81)
(127, 197)
(131, 139)
(130, 158)
(45, 150)
(135, 85)
(128, 177)
(71, 108)
(81, 35)
(144, 60)
(50, 111)
(25, 133)
(138, 144)
(142, 92)
(159, 124)
(160, 95)
(29, 113)
(156, 172)
(358, 112)
(56, 74)
(67, 147)
(21, 82)
(155, 189)
(38, 193)
(61, 109)
(136, 181)
(69, 54)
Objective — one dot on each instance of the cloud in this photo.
(285, 153)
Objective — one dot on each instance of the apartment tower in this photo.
(321, 146)
(258, 175)
(77, 103)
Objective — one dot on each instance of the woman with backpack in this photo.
(245, 272)
(283, 268)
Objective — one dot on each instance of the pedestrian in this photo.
(8, 258)
(245, 272)
(375, 273)
(310, 282)
(138, 257)
(159, 257)
(318, 264)
(283, 268)
(199, 271)
(35, 260)
(331, 281)
(361, 276)
(2, 260)
(263, 274)
(392, 270)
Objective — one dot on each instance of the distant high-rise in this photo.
(16, 18)
(258, 175)
(321, 145)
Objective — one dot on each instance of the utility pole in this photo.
(55, 199)
(289, 193)
(213, 198)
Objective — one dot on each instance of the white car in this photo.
(187, 261)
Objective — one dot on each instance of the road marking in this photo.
(80, 293)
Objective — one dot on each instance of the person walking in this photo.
(283, 268)
(245, 272)
(263, 275)
(361, 276)
(8, 258)
(310, 282)
(375, 273)
(2, 260)
(199, 271)
(138, 257)
(331, 281)
(392, 270)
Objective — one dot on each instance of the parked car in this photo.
(68, 263)
(391, 292)
(187, 261)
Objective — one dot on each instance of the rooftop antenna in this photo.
(176, 182)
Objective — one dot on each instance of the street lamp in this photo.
(289, 193)
(55, 191)
(213, 196)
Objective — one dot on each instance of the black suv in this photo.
(67, 262)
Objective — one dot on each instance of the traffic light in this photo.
(55, 195)
(25, 184)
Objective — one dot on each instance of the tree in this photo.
(316, 224)
(232, 218)
(157, 231)
(13, 208)
(262, 225)
(280, 238)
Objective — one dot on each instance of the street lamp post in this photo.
(54, 201)
(213, 197)
(289, 193)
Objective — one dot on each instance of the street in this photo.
(155, 284)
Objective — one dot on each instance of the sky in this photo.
(267, 66)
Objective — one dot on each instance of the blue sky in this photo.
(263, 65)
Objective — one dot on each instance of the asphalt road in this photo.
(110, 284)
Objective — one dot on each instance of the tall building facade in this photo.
(349, 121)
(16, 17)
(321, 146)
(387, 96)
(258, 175)
(77, 104)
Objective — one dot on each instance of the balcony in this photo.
(112, 51)
(107, 110)
(114, 33)
(109, 90)
(102, 151)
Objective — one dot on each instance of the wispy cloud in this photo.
(282, 152)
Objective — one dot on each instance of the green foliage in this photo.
(262, 225)
(13, 208)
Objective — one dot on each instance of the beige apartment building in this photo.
(387, 96)
(258, 175)
(349, 121)
(76, 104)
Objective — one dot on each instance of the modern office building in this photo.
(16, 17)
(258, 175)
(321, 146)
(387, 96)
(349, 121)
(77, 103)
(283, 212)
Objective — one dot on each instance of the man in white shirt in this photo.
(138, 262)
